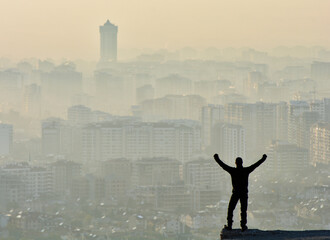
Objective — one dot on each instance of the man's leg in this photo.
(244, 205)
(232, 204)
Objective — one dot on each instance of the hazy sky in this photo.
(69, 28)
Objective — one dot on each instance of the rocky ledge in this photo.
(256, 234)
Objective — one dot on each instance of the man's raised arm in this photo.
(221, 163)
(257, 164)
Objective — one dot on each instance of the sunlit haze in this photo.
(164, 119)
(69, 29)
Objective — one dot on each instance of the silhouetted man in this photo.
(240, 181)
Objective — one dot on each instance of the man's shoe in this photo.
(227, 227)
(244, 228)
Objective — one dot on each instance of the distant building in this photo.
(135, 140)
(172, 198)
(32, 100)
(145, 92)
(282, 121)
(295, 109)
(117, 175)
(64, 173)
(305, 121)
(210, 115)
(12, 189)
(173, 85)
(210, 89)
(79, 115)
(155, 172)
(108, 41)
(113, 88)
(302, 116)
(286, 158)
(252, 84)
(320, 143)
(259, 121)
(88, 187)
(320, 72)
(229, 141)
(6, 139)
(60, 85)
(55, 137)
(202, 174)
(173, 107)
(11, 86)
(37, 181)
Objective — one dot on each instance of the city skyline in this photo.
(261, 25)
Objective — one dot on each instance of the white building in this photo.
(37, 181)
(320, 143)
(135, 140)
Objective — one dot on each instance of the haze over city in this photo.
(117, 119)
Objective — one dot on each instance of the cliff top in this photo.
(256, 234)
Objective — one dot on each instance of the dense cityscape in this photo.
(124, 149)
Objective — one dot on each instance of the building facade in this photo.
(108, 41)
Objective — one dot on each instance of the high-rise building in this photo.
(210, 115)
(305, 121)
(320, 143)
(295, 109)
(259, 121)
(202, 174)
(56, 137)
(286, 158)
(108, 41)
(229, 141)
(282, 121)
(6, 139)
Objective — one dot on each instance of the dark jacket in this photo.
(240, 175)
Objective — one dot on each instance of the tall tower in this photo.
(108, 37)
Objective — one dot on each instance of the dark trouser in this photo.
(243, 197)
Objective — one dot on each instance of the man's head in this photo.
(239, 162)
